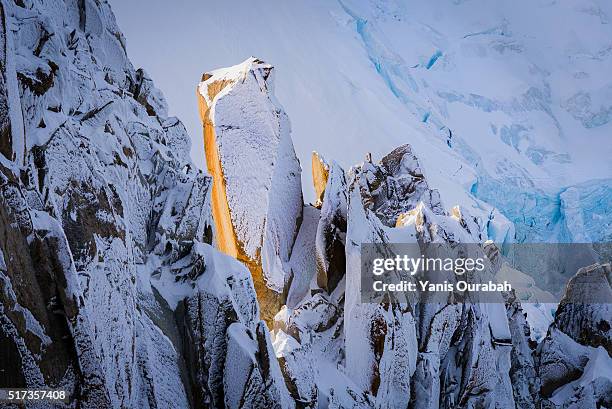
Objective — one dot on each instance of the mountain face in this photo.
(109, 287)
(131, 279)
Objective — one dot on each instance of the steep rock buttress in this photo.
(257, 195)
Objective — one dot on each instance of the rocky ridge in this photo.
(335, 350)
(113, 285)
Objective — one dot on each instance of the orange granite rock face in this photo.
(224, 231)
(225, 236)
(320, 174)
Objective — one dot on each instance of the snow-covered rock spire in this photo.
(257, 195)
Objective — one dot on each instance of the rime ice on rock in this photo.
(331, 229)
(257, 194)
(371, 329)
(574, 360)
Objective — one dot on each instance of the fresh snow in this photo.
(108, 186)
(12, 90)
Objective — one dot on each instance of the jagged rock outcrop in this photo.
(12, 138)
(464, 349)
(396, 185)
(429, 351)
(331, 228)
(455, 355)
(371, 329)
(574, 359)
(584, 311)
(110, 286)
(223, 334)
(252, 377)
(43, 328)
(525, 381)
(320, 175)
(257, 195)
(297, 365)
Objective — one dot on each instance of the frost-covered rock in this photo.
(218, 317)
(317, 318)
(331, 229)
(574, 361)
(396, 185)
(12, 142)
(380, 340)
(525, 381)
(453, 335)
(302, 263)
(109, 288)
(257, 194)
(41, 304)
(584, 312)
(299, 369)
(560, 360)
(149, 96)
(462, 356)
(456, 336)
(593, 389)
(252, 377)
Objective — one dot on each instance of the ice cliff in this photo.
(132, 279)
